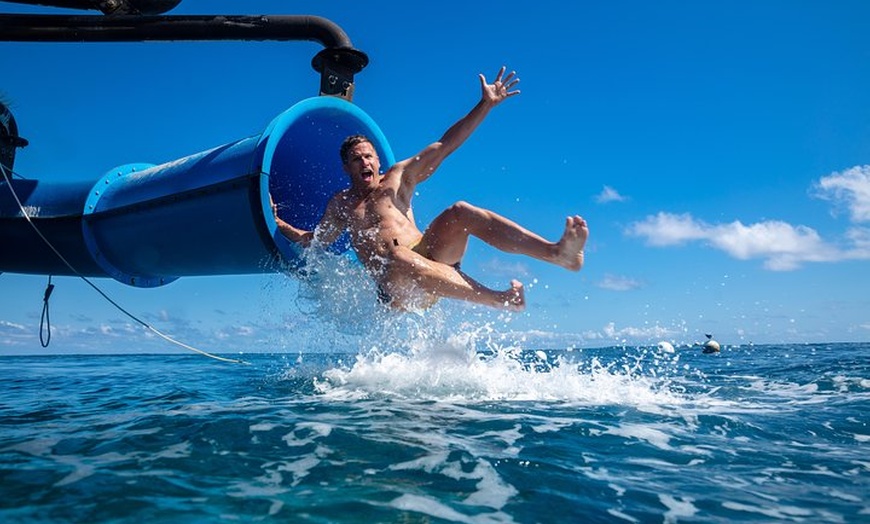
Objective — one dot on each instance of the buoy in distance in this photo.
(711, 346)
(666, 346)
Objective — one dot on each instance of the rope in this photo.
(45, 319)
(87, 281)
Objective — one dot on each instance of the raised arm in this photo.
(423, 165)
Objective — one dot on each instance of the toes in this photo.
(575, 224)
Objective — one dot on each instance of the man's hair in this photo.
(349, 144)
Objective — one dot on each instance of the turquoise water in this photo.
(440, 433)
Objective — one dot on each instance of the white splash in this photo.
(430, 355)
(453, 369)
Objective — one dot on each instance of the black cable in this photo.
(6, 172)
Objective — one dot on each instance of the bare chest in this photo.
(381, 205)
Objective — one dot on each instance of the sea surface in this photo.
(441, 432)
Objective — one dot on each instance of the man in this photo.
(414, 269)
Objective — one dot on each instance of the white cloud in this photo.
(851, 189)
(9, 327)
(497, 267)
(667, 229)
(607, 335)
(633, 334)
(608, 194)
(233, 332)
(859, 238)
(13, 334)
(618, 283)
(782, 246)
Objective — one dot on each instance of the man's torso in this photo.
(380, 221)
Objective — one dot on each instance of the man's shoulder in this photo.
(341, 198)
(399, 170)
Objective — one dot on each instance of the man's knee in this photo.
(463, 211)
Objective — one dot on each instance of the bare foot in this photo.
(570, 247)
(515, 297)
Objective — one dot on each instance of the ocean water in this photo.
(441, 431)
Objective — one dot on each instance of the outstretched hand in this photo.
(501, 87)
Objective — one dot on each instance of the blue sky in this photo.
(720, 153)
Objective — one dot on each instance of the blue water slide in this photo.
(205, 214)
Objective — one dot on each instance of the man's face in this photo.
(363, 166)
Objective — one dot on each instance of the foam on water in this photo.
(433, 419)
(433, 355)
(456, 421)
(453, 370)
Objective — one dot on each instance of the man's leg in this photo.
(409, 272)
(446, 238)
